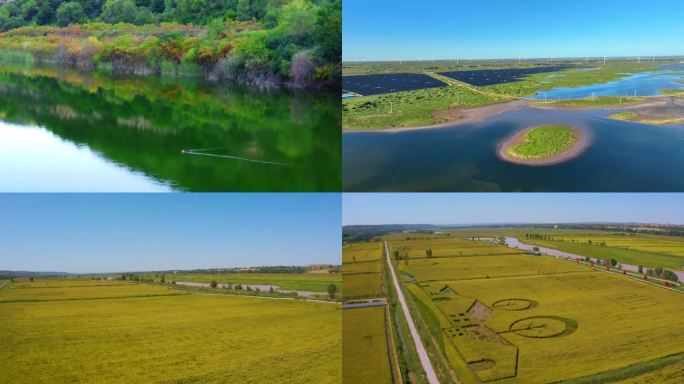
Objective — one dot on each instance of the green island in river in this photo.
(543, 145)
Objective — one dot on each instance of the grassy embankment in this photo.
(419, 108)
(673, 92)
(571, 305)
(643, 119)
(160, 338)
(543, 142)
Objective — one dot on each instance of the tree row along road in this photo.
(254, 296)
(420, 348)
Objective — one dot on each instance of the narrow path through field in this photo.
(420, 348)
(471, 88)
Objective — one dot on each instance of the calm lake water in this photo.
(641, 84)
(69, 131)
(622, 156)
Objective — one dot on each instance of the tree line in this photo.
(261, 42)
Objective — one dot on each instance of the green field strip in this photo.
(392, 348)
(409, 362)
(626, 372)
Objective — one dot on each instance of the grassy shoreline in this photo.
(289, 43)
(644, 119)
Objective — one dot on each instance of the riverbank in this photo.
(226, 51)
(575, 147)
(668, 111)
(462, 116)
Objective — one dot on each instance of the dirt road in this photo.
(420, 348)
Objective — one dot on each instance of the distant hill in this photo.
(355, 233)
(32, 274)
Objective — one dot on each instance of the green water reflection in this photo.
(189, 134)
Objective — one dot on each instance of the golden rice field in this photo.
(125, 333)
(662, 244)
(449, 247)
(364, 346)
(362, 285)
(482, 267)
(361, 252)
(533, 319)
(19, 293)
(362, 269)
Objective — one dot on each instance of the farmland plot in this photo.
(184, 338)
(507, 326)
(364, 351)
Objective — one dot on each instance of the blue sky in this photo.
(131, 232)
(491, 208)
(391, 30)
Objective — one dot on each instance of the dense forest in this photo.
(264, 42)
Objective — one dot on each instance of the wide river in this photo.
(70, 131)
(622, 156)
(515, 243)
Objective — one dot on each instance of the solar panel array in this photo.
(367, 85)
(482, 77)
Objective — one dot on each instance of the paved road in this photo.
(422, 353)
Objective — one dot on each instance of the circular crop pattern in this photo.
(544, 326)
(515, 304)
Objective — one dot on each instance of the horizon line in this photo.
(162, 270)
(530, 223)
(598, 58)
